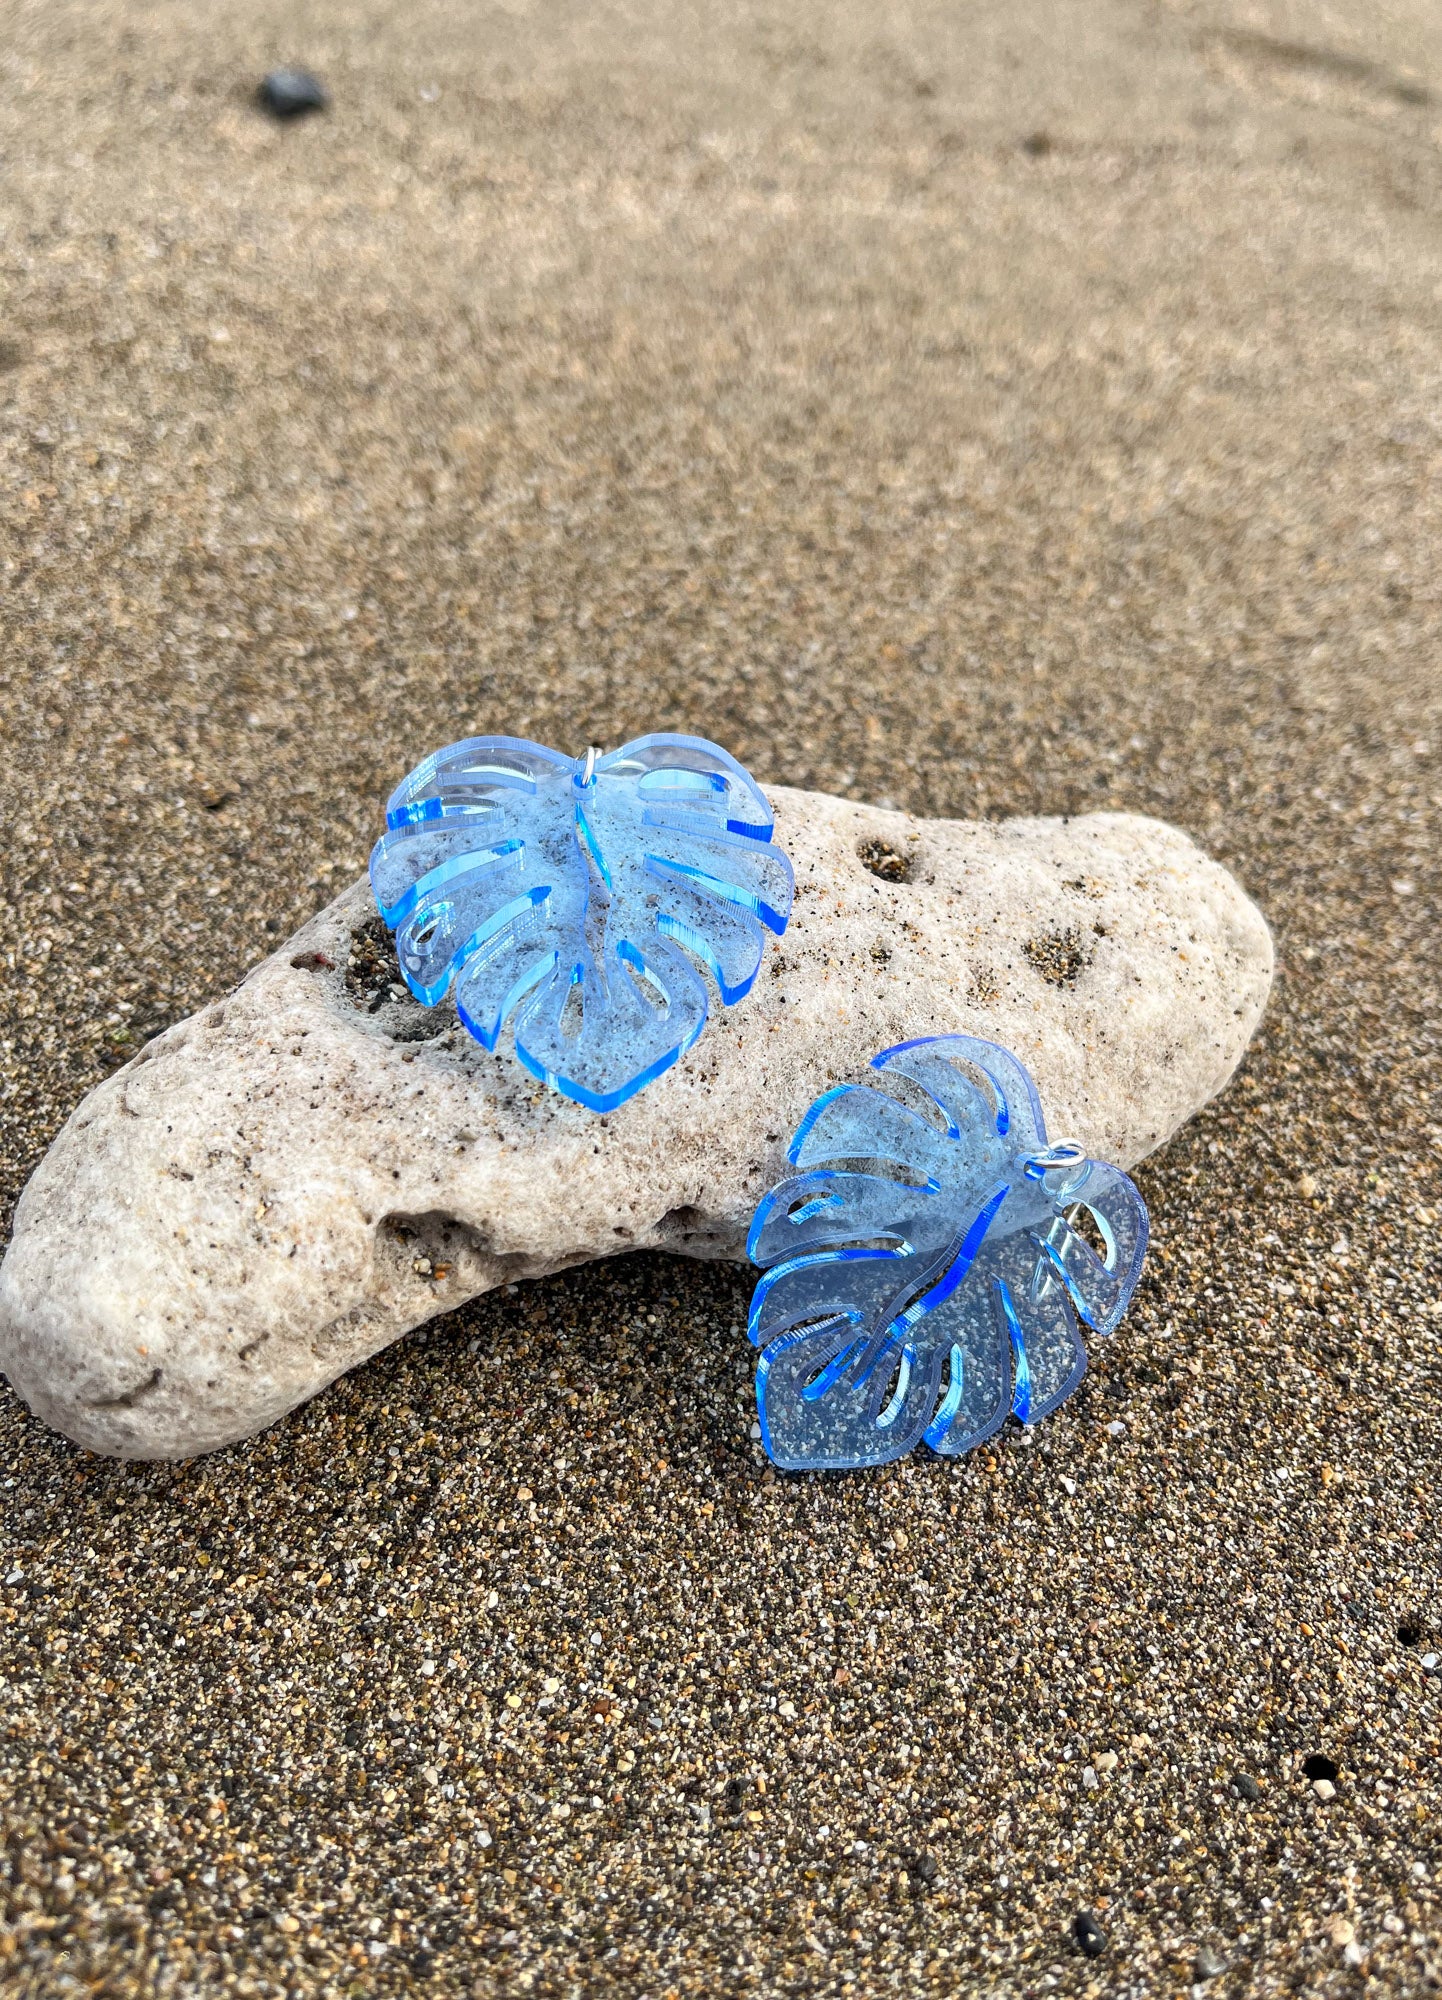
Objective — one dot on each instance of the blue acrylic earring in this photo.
(579, 898)
(927, 1266)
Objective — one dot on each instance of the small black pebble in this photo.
(1089, 1934)
(289, 93)
(1318, 1766)
(1246, 1786)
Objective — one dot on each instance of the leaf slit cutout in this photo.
(831, 1374)
(950, 1403)
(905, 1362)
(1021, 1391)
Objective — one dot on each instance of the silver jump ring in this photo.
(1064, 1153)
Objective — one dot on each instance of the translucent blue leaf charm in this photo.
(927, 1265)
(577, 896)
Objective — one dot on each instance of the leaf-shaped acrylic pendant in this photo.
(927, 1265)
(577, 896)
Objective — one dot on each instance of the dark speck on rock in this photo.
(1090, 1937)
(290, 93)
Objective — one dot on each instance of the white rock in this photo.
(275, 1189)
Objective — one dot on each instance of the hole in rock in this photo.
(1409, 1632)
(128, 1398)
(880, 858)
(1317, 1766)
(372, 967)
(1061, 956)
(680, 1221)
(373, 980)
(696, 1231)
(434, 1249)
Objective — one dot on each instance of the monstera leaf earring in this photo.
(927, 1267)
(580, 898)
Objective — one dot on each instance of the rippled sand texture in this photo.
(995, 408)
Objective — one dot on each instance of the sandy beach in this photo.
(983, 409)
